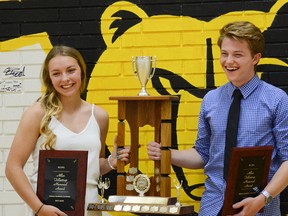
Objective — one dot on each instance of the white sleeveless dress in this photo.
(88, 140)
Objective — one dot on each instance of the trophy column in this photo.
(138, 111)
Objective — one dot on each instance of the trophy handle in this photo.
(133, 67)
(154, 68)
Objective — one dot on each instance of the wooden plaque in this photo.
(248, 175)
(62, 180)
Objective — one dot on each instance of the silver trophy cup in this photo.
(143, 71)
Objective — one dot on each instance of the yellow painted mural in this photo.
(180, 46)
(179, 43)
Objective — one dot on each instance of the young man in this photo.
(263, 121)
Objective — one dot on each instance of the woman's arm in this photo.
(103, 122)
(23, 145)
(105, 165)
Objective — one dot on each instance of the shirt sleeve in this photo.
(280, 128)
(202, 144)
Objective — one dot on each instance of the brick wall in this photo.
(182, 34)
(17, 92)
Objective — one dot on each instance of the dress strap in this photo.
(92, 110)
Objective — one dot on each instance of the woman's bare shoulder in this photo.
(35, 111)
(30, 121)
(100, 112)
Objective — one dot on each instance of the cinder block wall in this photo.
(182, 34)
(17, 92)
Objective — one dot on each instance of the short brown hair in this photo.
(244, 30)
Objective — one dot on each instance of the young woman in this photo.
(61, 120)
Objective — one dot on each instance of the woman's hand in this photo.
(48, 210)
(122, 154)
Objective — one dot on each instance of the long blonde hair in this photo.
(50, 101)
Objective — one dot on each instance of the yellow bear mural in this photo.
(187, 66)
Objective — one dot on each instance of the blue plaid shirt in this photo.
(263, 121)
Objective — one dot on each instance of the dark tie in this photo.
(232, 129)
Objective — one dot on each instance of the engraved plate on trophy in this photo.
(154, 208)
(145, 208)
(127, 208)
(143, 71)
(136, 208)
(118, 208)
(141, 184)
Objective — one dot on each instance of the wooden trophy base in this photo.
(142, 205)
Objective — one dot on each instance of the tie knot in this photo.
(237, 93)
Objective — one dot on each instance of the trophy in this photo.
(143, 71)
(142, 204)
(103, 185)
(178, 187)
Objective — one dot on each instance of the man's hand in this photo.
(154, 151)
(250, 206)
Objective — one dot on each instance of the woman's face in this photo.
(65, 74)
(237, 61)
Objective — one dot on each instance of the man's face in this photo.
(237, 61)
